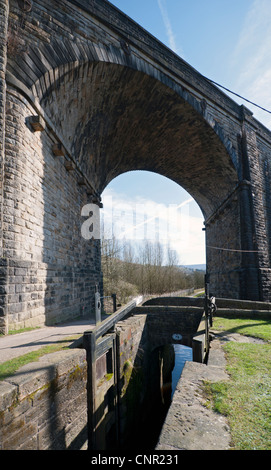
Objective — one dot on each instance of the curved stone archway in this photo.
(115, 119)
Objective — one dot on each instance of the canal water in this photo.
(147, 435)
(182, 354)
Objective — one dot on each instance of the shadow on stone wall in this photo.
(71, 263)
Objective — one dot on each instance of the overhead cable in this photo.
(229, 249)
(236, 94)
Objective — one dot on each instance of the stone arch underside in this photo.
(115, 112)
(114, 119)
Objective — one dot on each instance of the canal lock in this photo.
(150, 394)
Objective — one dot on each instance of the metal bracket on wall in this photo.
(25, 5)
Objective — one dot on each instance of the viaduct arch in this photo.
(87, 94)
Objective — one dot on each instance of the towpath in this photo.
(15, 345)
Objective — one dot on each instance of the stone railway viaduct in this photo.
(85, 95)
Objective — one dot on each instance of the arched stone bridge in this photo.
(87, 94)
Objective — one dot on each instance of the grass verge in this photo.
(246, 398)
(257, 328)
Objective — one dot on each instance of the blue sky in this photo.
(229, 42)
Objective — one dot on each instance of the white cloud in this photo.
(141, 219)
(194, 251)
(251, 59)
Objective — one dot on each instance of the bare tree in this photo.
(147, 269)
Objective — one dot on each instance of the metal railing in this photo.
(101, 304)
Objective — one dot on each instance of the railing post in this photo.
(98, 307)
(114, 297)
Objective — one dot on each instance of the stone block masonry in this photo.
(139, 340)
(132, 353)
(189, 424)
(48, 272)
(4, 10)
(44, 405)
(85, 95)
(109, 394)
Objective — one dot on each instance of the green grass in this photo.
(23, 330)
(8, 368)
(257, 328)
(246, 398)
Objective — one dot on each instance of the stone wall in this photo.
(44, 405)
(76, 67)
(225, 282)
(4, 4)
(165, 321)
(259, 159)
(119, 382)
(132, 353)
(145, 361)
(127, 396)
(48, 269)
(189, 424)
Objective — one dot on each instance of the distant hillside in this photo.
(195, 267)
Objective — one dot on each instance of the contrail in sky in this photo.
(170, 34)
(154, 217)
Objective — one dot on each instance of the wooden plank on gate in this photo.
(89, 343)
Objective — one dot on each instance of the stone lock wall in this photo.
(139, 338)
(132, 351)
(119, 384)
(44, 405)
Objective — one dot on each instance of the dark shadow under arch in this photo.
(116, 119)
